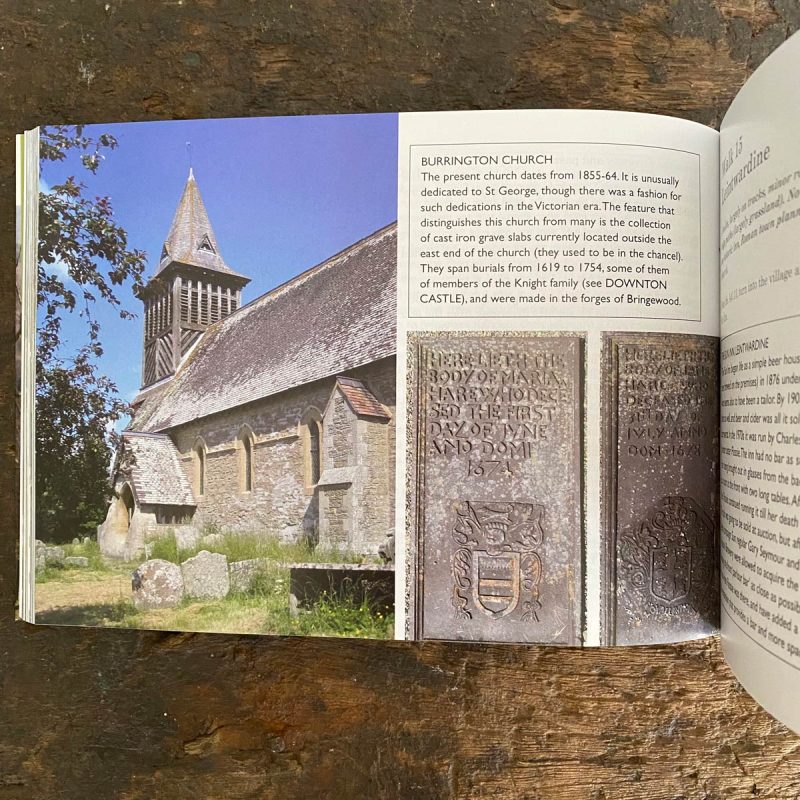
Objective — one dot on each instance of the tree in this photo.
(84, 258)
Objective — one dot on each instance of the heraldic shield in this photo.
(496, 567)
(671, 572)
(671, 554)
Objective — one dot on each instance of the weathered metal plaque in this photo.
(496, 487)
(660, 464)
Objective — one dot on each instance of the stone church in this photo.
(275, 417)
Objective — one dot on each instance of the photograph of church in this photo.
(277, 415)
(249, 485)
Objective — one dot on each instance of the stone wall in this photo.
(356, 491)
(376, 508)
(280, 503)
(339, 447)
(336, 525)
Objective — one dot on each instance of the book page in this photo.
(548, 414)
(760, 388)
(558, 308)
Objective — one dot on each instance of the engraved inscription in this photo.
(497, 460)
(490, 409)
(496, 568)
(660, 465)
(666, 392)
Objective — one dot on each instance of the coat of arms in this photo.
(670, 555)
(496, 568)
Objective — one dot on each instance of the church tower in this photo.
(191, 289)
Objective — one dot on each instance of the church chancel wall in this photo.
(281, 499)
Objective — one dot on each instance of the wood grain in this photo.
(123, 714)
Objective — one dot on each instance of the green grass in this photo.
(336, 616)
(166, 548)
(98, 565)
(263, 608)
(89, 549)
(244, 546)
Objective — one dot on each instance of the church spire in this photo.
(191, 238)
(192, 288)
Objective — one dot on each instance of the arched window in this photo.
(199, 459)
(248, 465)
(310, 431)
(315, 435)
(245, 442)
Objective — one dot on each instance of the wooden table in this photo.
(121, 714)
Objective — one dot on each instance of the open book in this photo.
(557, 401)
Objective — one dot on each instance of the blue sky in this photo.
(282, 194)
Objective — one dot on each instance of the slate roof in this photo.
(360, 399)
(156, 473)
(191, 238)
(332, 318)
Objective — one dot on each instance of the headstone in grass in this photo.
(157, 584)
(54, 556)
(186, 537)
(243, 573)
(76, 561)
(294, 606)
(41, 563)
(206, 576)
(212, 539)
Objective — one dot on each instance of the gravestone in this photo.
(186, 537)
(54, 556)
(660, 467)
(157, 584)
(243, 573)
(355, 583)
(496, 489)
(206, 576)
(76, 561)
